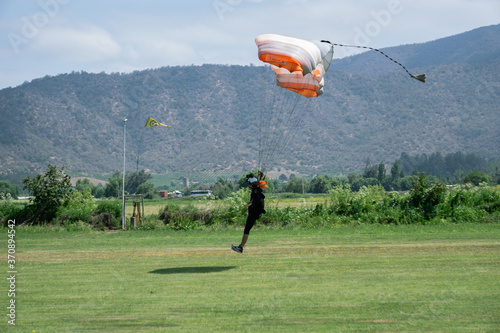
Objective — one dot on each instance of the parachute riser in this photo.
(261, 179)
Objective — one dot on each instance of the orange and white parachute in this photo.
(299, 64)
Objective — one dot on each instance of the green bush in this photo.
(110, 206)
(107, 215)
(487, 199)
(187, 218)
(236, 206)
(424, 199)
(9, 210)
(151, 222)
(78, 207)
(423, 204)
(468, 203)
(84, 208)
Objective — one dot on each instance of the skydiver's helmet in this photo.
(252, 181)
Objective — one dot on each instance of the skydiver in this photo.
(255, 210)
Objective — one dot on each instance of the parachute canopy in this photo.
(299, 64)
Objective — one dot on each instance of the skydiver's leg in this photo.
(248, 226)
(244, 240)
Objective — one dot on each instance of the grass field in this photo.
(374, 278)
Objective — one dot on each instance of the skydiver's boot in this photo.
(238, 248)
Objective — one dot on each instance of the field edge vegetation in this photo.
(56, 203)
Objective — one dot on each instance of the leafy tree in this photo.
(443, 166)
(297, 185)
(477, 177)
(371, 171)
(405, 183)
(321, 184)
(50, 190)
(135, 179)
(83, 184)
(7, 187)
(222, 189)
(395, 171)
(381, 172)
(99, 192)
(148, 190)
(351, 177)
(114, 186)
(361, 181)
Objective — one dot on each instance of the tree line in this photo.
(454, 168)
(55, 201)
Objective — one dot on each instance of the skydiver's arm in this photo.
(249, 204)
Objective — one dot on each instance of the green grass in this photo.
(439, 278)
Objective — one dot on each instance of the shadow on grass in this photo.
(192, 270)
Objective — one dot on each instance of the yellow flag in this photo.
(151, 122)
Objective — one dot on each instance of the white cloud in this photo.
(87, 44)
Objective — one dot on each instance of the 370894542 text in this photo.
(11, 272)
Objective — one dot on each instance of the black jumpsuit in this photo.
(255, 209)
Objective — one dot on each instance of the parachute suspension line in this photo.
(267, 124)
(283, 143)
(420, 77)
(268, 112)
(281, 138)
(294, 125)
(276, 140)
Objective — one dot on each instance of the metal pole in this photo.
(123, 180)
(143, 217)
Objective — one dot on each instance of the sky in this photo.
(51, 37)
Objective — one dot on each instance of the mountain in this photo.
(370, 110)
(476, 47)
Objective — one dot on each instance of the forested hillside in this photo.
(369, 110)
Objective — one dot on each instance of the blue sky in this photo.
(49, 37)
